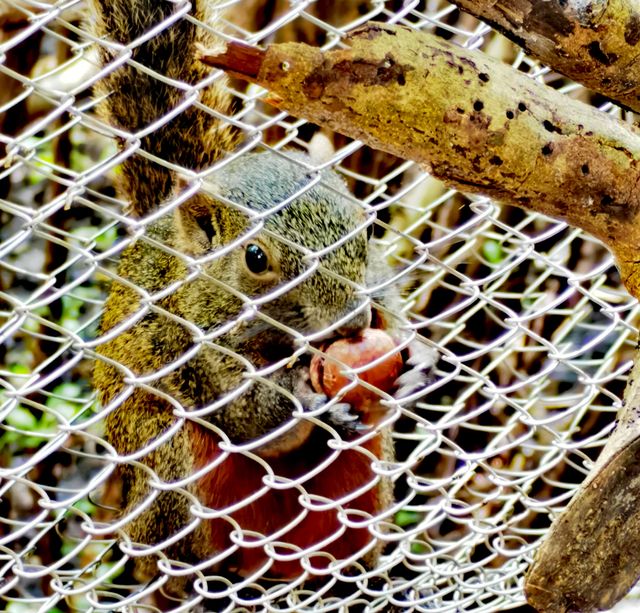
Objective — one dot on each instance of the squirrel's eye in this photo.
(256, 259)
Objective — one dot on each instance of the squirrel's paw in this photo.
(419, 365)
(344, 421)
(338, 415)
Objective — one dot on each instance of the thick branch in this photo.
(595, 43)
(591, 556)
(473, 122)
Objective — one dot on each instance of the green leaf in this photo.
(22, 419)
(63, 401)
(19, 369)
(492, 251)
(106, 239)
(407, 518)
(419, 548)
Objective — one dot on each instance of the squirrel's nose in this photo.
(356, 324)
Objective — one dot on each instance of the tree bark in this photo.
(591, 556)
(596, 43)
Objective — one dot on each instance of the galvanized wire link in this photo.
(532, 329)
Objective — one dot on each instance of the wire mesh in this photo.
(533, 332)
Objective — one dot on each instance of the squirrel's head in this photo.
(270, 234)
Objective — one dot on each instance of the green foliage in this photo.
(492, 251)
(407, 518)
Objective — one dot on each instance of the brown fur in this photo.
(194, 139)
(275, 509)
(161, 333)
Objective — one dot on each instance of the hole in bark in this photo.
(600, 55)
(522, 107)
(496, 160)
(585, 169)
(478, 105)
(510, 114)
(549, 127)
(547, 149)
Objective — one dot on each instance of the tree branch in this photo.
(592, 42)
(591, 556)
(471, 121)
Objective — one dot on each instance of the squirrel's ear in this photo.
(202, 224)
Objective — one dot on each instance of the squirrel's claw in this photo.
(338, 415)
(421, 360)
(347, 424)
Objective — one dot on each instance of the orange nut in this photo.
(327, 373)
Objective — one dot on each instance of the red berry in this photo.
(328, 371)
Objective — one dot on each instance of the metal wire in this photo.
(533, 331)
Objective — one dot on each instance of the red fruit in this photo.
(328, 371)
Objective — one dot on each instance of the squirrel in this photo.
(218, 431)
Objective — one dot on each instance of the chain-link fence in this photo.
(532, 329)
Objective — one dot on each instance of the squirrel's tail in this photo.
(161, 42)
